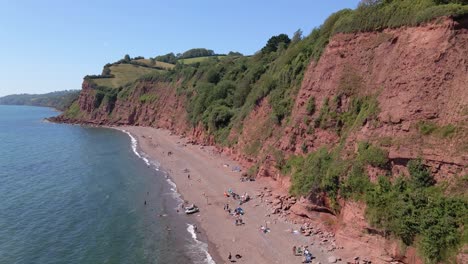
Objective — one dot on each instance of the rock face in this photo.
(416, 74)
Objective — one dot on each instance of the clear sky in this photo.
(50, 45)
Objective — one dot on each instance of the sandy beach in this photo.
(211, 174)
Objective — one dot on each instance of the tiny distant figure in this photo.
(145, 202)
(188, 176)
(195, 228)
(229, 257)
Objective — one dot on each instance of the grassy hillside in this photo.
(198, 59)
(123, 74)
(60, 100)
(160, 64)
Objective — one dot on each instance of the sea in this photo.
(77, 194)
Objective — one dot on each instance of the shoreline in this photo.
(212, 256)
(211, 175)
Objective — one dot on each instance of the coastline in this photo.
(211, 175)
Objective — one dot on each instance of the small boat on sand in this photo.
(191, 209)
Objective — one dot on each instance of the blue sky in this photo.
(50, 45)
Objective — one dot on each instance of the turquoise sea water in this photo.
(71, 194)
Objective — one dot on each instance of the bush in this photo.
(317, 172)
(420, 175)
(407, 213)
(311, 106)
(148, 98)
(372, 155)
(430, 128)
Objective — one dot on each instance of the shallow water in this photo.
(71, 194)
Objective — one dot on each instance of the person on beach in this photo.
(188, 176)
(230, 256)
(145, 202)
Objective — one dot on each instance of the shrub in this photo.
(311, 106)
(148, 98)
(430, 128)
(426, 127)
(420, 175)
(318, 172)
(372, 155)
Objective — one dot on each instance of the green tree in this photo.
(127, 58)
(420, 175)
(297, 36)
(274, 42)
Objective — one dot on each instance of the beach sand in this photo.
(211, 175)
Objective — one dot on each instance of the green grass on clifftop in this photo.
(154, 63)
(123, 74)
(198, 59)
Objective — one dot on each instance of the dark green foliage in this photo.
(105, 95)
(356, 184)
(217, 116)
(60, 100)
(98, 97)
(377, 15)
(106, 71)
(441, 2)
(234, 53)
(127, 58)
(409, 211)
(317, 172)
(372, 155)
(169, 58)
(281, 105)
(193, 53)
(420, 175)
(212, 76)
(274, 43)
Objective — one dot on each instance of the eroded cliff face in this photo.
(417, 75)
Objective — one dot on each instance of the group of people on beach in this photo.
(303, 251)
(237, 212)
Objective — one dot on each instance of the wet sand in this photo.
(211, 175)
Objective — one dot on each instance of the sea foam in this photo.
(190, 228)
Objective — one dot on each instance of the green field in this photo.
(160, 64)
(198, 59)
(124, 73)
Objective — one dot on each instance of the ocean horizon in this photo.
(76, 194)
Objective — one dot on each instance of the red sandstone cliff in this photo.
(416, 74)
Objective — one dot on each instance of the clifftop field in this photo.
(365, 118)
